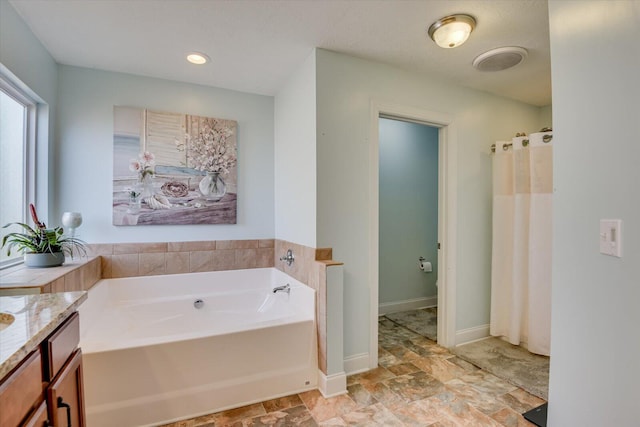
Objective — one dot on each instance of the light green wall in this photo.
(23, 54)
(295, 156)
(345, 88)
(26, 62)
(546, 117)
(595, 338)
(75, 155)
(408, 209)
(85, 152)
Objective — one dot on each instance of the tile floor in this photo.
(513, 363)
(417, 383)
(423, 321)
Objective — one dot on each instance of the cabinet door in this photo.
(57, 348)
(20, 391)
(39, 417)
(65, 395)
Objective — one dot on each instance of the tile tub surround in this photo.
(115, 260)
(150, 259)
(78, 274)
(310, 267)
(417, 383)
(36, 316)
(305, 258)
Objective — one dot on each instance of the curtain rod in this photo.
(525, 142)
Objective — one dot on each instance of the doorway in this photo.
(446, 233)
(408, 218)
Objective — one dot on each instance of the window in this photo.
(17, 141)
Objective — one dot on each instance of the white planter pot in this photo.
(44, 260)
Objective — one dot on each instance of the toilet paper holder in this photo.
(424, 265)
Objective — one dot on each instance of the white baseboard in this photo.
(356, 363)
(332, 385)
(409, 304)
(465, 336)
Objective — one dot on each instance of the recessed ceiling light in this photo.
(197, 58)
(451, 31)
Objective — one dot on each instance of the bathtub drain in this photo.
(198, 303)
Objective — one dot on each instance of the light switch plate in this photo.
(611, 237)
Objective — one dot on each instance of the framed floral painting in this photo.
(171, 168)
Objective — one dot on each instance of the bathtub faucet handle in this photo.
(288, 257)
(284, 288)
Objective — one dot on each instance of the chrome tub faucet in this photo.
(284, 288)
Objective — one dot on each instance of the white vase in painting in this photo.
(212, 187)
(135, 202)
(147, 186)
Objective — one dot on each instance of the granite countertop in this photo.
(36, 316)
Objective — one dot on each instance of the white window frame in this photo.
(28, 150)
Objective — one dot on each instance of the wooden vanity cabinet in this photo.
(45, 389)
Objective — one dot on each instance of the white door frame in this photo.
(447, 217)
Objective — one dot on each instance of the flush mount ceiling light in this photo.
(500, 58)
(451, 31)
(197, 58)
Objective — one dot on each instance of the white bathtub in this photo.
(150, 356)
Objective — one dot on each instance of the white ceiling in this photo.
(255, 45)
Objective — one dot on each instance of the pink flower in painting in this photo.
(135, 165)
(148, 158)
(143, 165)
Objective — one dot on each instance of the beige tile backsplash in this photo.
(207, 245)
(114, 260)
(149, 259)
(304, 257)
(177, 263)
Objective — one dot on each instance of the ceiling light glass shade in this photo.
(197, 58)
(451, 31)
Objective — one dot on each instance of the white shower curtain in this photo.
(522, 232)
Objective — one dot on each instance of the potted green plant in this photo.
(42, 246)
